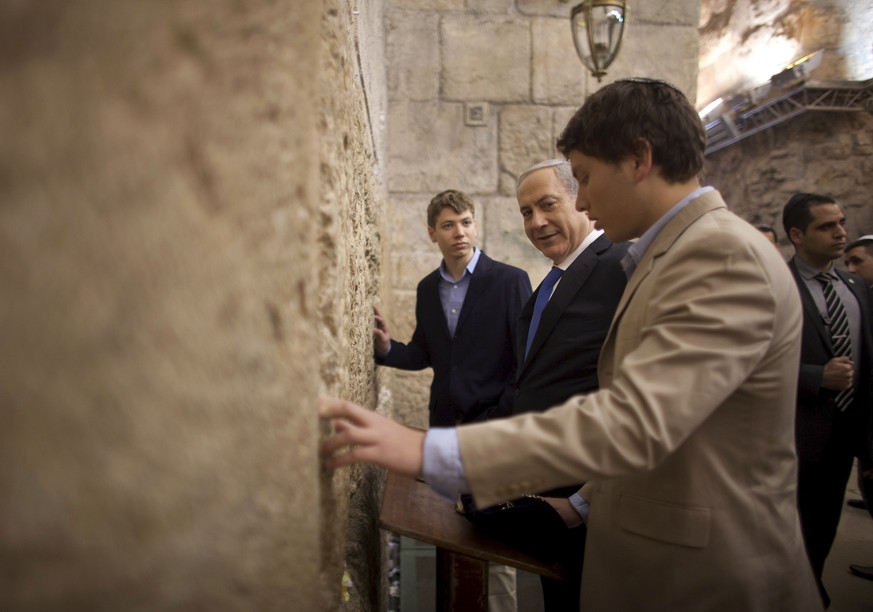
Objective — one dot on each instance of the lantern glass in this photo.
(598, 26)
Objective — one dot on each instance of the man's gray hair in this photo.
(562, 169)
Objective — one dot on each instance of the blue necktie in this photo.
(542, 299)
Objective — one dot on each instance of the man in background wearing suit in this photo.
(689, 443)
(466, 315)
(833, 396)
(859, 258)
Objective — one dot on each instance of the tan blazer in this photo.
(690, 441)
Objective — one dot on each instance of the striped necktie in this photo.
(838, 324)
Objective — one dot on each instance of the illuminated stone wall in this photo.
(744, 42)
(821, 152)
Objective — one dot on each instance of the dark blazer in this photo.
(827, 438)
(815, 405)
(563, 356)
(473, 372)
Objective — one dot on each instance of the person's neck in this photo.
(818, 264)
(456, 267)
(664, 196)
(569, 253)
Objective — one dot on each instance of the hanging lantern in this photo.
(598, 26)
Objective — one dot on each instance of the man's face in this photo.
(606, 194)
(455, 234)
(860, 262)
(551, 221)
(824, 238)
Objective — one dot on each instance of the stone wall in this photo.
(190, 241)
(829, 152)
(477, 93)
(350, 253)
(744, 42)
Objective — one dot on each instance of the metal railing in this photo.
(743, 116)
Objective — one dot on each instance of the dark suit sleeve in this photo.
(809, 382)
(519, 293)
(416, 354)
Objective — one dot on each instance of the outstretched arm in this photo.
(362, 436)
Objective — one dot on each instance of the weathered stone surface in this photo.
(744, 43)
(814, 153)
(408, 224)
(558, 75)
(401, 317)
(525, 137)
(664, 12)
(471, 68)
(660, 52)
(409, 269)
(491, 6)
(547, 8)
(171, 174)
(507, 241)
(413, 53)
(430, 149)
(427, 5)
(560, 118)
(412, 396)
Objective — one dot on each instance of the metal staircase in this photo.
(749, 113)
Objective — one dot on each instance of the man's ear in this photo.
(431, 231)
(642, 159)
(795, 235)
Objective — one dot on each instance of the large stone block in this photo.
(411, 394)
(492, 6)
(430, 148)
(507, 241)
(665, 12)
(546, 7)
(486, 58)
(401, 318)
(560, 118)
(409, 269)
(659, 52)
(427, 5)
(412, 41)
(408, 224)
(525, 137)
(558, 75)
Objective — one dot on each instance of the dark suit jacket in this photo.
(815, 405)
(563, 356)
(473, 371)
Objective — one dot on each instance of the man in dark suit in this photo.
(465, 321)
(466, 315)
(834, 385)
(558, 359)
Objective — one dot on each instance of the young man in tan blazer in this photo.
(689, 443)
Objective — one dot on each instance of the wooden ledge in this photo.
(411, 508)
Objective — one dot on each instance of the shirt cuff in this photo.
(442, 467)
(580, 505)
